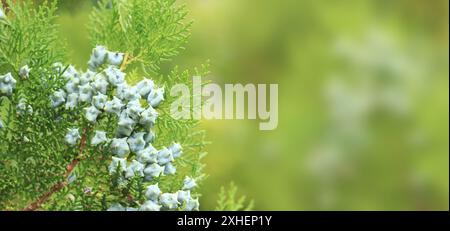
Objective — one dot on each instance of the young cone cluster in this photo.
(103, 90)
(7, 85)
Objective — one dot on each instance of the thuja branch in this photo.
(55, 188)
(142, 157)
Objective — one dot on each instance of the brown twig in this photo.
(55, 188)
(124, 62)
(128, 58)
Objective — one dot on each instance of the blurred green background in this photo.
(363, 99)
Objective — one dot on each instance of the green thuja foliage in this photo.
(39, 168)
(229, 201)
(32, 155)
(150, 31)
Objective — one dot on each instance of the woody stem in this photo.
(58, 186)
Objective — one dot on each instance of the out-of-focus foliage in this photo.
(228, 200)
(363, 120)
(363, 101)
